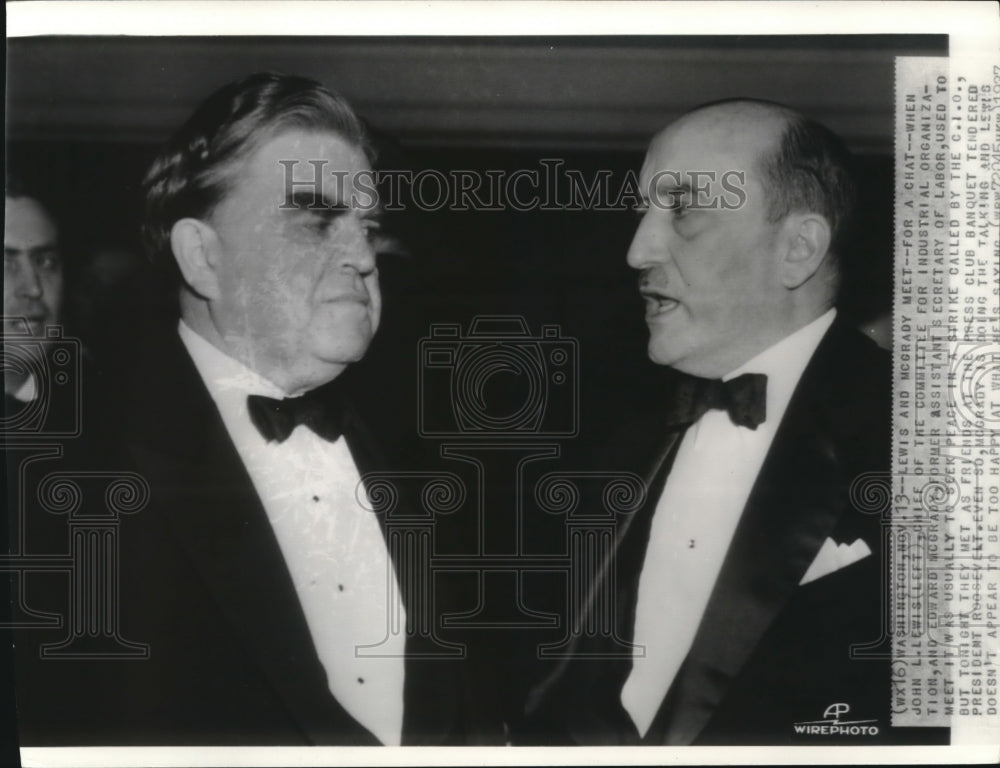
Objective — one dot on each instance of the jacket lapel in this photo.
(215, 517)
(647, 453)
(794, 506)
(434, 682)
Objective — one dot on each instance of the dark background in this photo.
(86, 116)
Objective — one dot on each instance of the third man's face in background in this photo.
(709, 275)
(32, 266)
(299, 285)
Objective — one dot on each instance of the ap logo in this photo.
(834, 711)
(833, 725)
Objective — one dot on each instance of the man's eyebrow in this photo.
(37, 250)
(669, 193)
(313, 201)
(672, 189)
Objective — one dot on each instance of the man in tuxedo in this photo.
(749, 588)
(258, 575)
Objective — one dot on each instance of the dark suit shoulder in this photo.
(845, 396)
(160, 398)
(858, 366)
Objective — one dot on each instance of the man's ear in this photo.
(808, 239)
(196, 249)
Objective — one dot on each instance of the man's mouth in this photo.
(658, 303)
(35, 322)
(349, 297)
(346, 291)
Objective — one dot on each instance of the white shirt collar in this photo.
(783, 363)
(224, 374)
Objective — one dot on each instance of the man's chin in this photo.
(345, 350)
(662, 353)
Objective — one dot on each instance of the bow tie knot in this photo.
(321, 410)
(744, 398)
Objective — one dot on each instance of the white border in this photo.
(458, 17)
(99, 757)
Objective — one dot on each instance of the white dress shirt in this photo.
(333, 546)
(708, 486)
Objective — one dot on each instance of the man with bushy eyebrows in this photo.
(258, 575)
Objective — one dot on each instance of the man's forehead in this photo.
(308, 145)
(713, 139)
(296, 159)
(27, 218)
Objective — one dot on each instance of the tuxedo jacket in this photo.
(203, 584)
(768, 653)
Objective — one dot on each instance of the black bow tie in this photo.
(321, 410)
(743, 398)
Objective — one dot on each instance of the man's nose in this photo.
(649, 244)
(29, 284)
(357, 251)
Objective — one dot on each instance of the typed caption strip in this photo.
(945, 506)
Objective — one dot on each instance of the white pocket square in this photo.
(832, 557)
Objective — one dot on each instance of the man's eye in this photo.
(49, 262)
(678, 203)
(372, 227)
(319, 221)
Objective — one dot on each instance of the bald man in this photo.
(748, 584)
